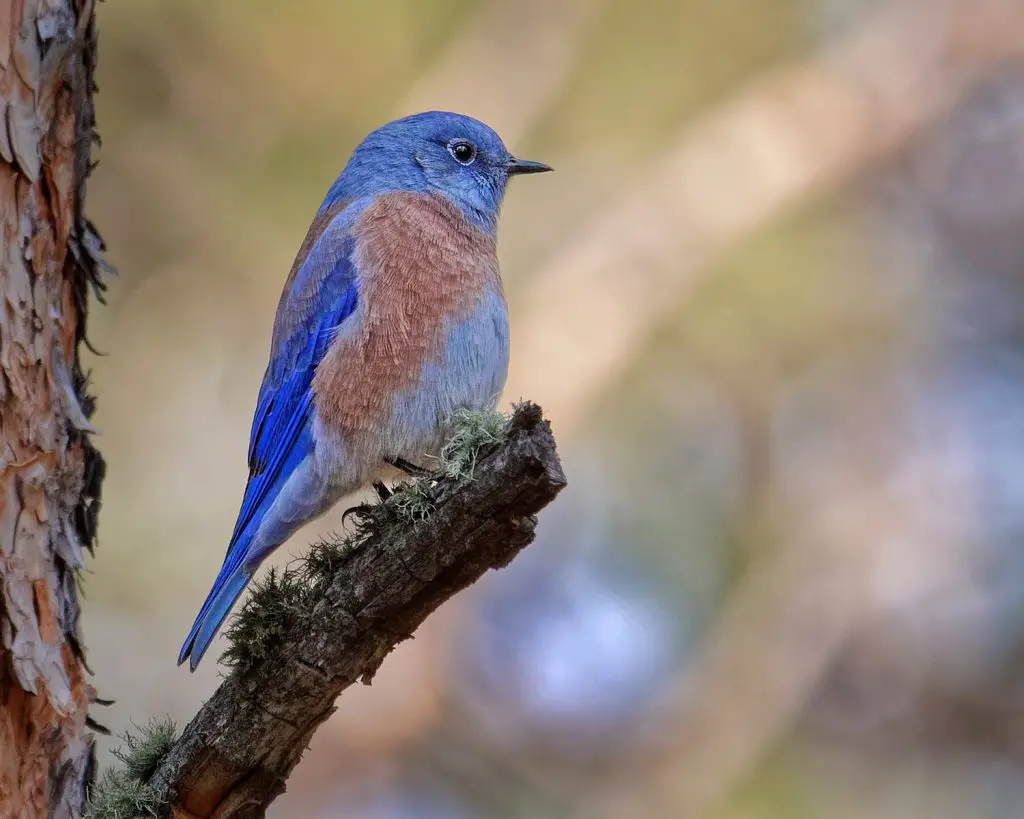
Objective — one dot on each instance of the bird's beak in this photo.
(518, 166)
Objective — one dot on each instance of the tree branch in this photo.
(234, 757)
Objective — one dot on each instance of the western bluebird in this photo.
(392, 318)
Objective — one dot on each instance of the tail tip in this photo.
(185, 653)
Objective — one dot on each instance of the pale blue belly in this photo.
(470, 374)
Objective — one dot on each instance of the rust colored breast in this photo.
(420, 266)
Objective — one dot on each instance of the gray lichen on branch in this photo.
(305, 635)
(125, 793)
(472, 433)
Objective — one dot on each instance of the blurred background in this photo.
(773, 304)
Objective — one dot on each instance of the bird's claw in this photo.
(382, 492)
(352, 510)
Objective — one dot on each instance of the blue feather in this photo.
(281, 436)
(413, 155)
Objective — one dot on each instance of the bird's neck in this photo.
(482, 214)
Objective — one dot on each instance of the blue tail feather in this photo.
(241, 561)
(227, 588)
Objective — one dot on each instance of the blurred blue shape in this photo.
(978, 400)
(574, 641)
(955, 217)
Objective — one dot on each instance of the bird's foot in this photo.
(383, 492)
(409, 469)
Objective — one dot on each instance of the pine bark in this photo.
(49, 472)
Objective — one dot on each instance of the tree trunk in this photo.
(49, 472)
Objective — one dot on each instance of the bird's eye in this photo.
(463, 152)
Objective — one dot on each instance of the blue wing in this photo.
(285, 402)
(319, 297)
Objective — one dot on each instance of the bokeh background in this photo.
(773, 303)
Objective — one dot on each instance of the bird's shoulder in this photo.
(321, 272)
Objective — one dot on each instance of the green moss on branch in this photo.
(124, 793)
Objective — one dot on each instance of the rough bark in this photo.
(232, 760)
(49, 472)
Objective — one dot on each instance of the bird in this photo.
(392, 318)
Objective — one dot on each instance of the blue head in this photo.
(435, 152)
